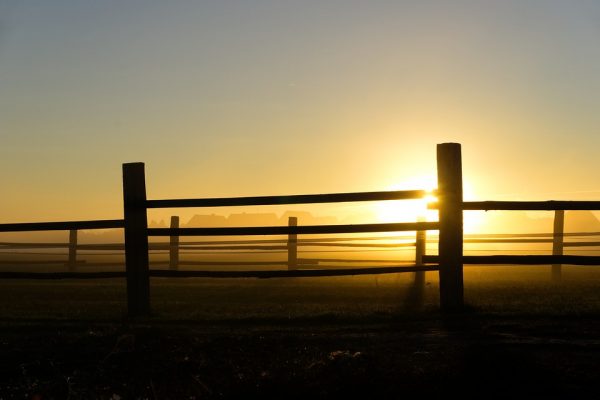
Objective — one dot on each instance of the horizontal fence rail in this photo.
(41, 262)
(529, 235)
(62, 226)
(523, 259)
(581, 244)
(550, 205)
(297, 230)
(222, 274)
(469, 238)
(515, 240)
(291, 273)
(531, 205)
(292, 199)
(62, 275)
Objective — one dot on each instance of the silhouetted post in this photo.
(450, 195)
(416, 293)
(292, 245)
(557, 242)
(419, 253)
(72, 263)
(174, 245)
(136, 239)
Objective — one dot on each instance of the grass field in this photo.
(521, 336)
(490, 290)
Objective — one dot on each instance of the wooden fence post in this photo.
(557, 243)
(416, 293)
(292, 245)
(72, 263)
(420, 251)
(174, 245)
(136, 240)
(450, 195)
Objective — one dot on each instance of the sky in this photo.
(244, 98)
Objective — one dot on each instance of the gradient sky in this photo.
(233, 98)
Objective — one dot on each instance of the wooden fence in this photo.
(74, 257)
(449, 260)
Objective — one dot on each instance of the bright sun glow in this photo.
(409, 210)
(417, 210)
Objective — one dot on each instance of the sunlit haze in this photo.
(244, 98)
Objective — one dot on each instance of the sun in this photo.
(417, 210)
(406, 210)
(409, 210)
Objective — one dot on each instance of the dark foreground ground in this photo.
(474, 356)
(542, 341)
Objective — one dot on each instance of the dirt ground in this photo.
(472, 355)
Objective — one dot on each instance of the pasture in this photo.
(299, 337)
(502, 290)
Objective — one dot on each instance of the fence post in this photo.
(174, 245)
(420, 251)
(450, 195)
(292, 245)
(72, 263)
(416, 293)
(557, 243)
(136, 240)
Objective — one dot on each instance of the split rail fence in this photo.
(449, 260)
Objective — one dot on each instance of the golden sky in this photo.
(283, 97)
